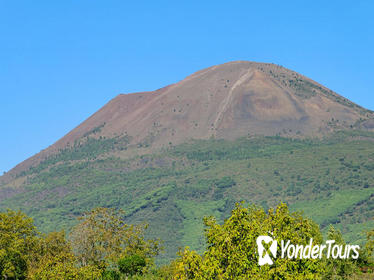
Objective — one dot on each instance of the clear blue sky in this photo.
(60, 61)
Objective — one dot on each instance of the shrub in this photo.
(131, 265)
(111, 275)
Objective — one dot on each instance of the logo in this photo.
(266, 245)
(267, 250)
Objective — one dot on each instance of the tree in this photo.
(338, 268)
(232, 249)
(48, 249)
(366, 259)
(100, 241)
(63, 266)
(131, 265)
(18, 239)
(102, 238)
(370, 246)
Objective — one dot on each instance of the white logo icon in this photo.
(265, 258)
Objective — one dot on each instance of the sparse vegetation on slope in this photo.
(330, 180)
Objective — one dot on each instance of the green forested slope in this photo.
(331, 180)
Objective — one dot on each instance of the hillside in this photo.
(238, 131)
(226, 102)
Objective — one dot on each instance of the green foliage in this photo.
(102, 247)
(329, 179)
(18, 239)
(131, 265)
(232, 249)
(193, 225)
(62, 267)
(338, 268)
(48, 247)
(102, 238)
(225, 182)
(231, 252)
(366, 259)
(110, 275)
(87, 148)
(370, 246)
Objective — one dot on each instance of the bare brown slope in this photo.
(225, 101)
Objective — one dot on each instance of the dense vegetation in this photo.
(232, 249)
(103, 247)
(331, 180)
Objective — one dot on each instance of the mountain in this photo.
(225, 101)
(238, 131)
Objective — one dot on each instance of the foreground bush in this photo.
(232, 249)
(132, 265)
(103, 247)
(63, 267)
(18, 242)
(102, 239)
